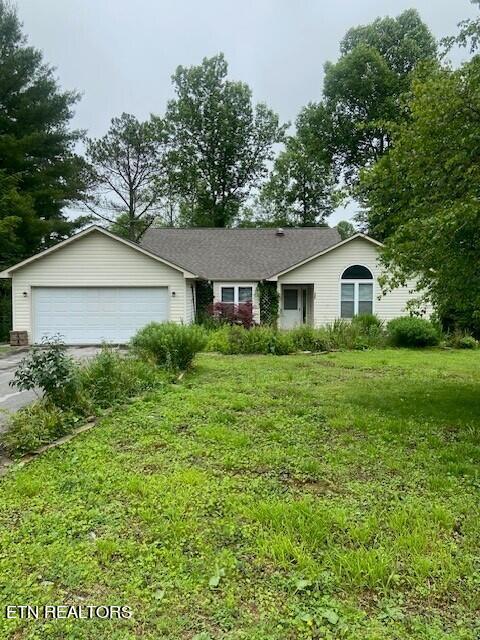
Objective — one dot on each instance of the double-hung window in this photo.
(356, 292)
(245, 294)
(228, 294)
(236, 294)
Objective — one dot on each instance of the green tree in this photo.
(364, 89)
(468, 35)
(220, 142)
(422, 197)
(39, 172)
(345, 229)
(300, 191)
(129, 185)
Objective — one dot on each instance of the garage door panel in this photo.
(83, 315)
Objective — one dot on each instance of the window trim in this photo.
(356, 283)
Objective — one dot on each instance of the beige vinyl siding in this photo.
(325, 272)
(98, 261)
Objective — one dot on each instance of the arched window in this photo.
(357, 272)
(356, 291)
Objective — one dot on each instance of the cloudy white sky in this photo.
(120, 54)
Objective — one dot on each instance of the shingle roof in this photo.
(237, 254)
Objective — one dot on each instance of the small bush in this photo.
(217, 340)
(467, 342)
(307, 338)
(262, 340)
(267, 340)
(36, 425)
(228, 313)
(368, 323)
(172, 346)
(461, 340)
(412, 332)
(110, 377)
(355, 334)
(50, 369)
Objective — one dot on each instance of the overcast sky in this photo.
(120, 54)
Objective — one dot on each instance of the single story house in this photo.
(96, 286)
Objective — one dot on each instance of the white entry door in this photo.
(292, 314)
(92, 315)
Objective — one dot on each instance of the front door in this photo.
(292, 307)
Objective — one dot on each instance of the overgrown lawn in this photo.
(264, 498)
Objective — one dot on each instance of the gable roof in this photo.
(94, 228)
(223, 254)
(321, 253)
(238, 254)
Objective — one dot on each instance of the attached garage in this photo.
(90, 315)
(96, 287)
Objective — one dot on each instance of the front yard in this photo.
(263, 498)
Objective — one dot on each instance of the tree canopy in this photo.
(363, 90)
(468, 35)
(301, 187)
(422, 197)
(39, 170)
(220, 142)
(129, 175)
(345, 229)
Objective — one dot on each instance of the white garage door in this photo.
(91, 315)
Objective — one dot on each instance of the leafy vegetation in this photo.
(292, 498)
(413, 332)
(345, 229)
(36, 425)
(423, 194)
(221, 142)
(461, 340)
(300, 191)
(51, 370)
(362, 332)
(363, 90)
(262, 339)
(269, 302)
(228, 313)
(39, 170)
(111, 377)
(107, 379)
(172, 346)
(129, 176)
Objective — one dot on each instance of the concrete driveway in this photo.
(11, 399)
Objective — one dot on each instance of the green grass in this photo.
(264, 498)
